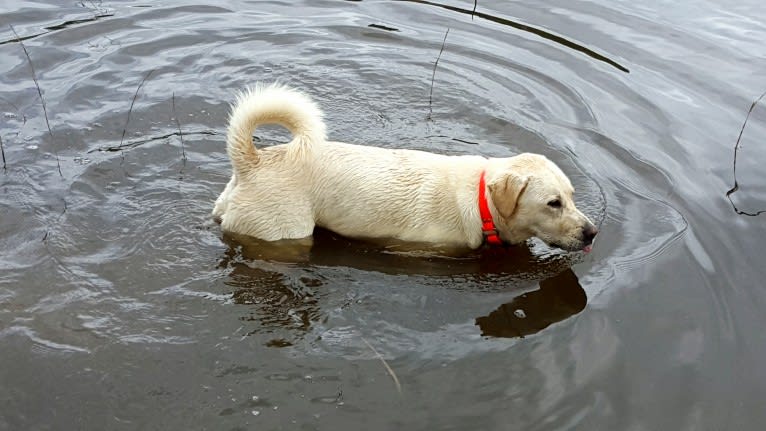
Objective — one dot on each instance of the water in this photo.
(122, 306)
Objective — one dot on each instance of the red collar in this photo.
(487, 225)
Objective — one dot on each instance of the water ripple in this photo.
(119, 259)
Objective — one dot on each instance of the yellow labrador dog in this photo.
(284, 191)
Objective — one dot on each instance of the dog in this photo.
(285, 191)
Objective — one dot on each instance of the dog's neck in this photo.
(488, 229)
(510, 235)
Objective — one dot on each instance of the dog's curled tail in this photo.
(271, 104)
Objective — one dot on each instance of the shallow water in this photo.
(122, 306)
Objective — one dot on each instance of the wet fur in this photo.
(284, 191)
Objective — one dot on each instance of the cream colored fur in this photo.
(284, 191)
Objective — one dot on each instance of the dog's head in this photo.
(532, 197)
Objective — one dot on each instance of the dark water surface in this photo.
(122, 306)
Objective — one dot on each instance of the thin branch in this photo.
(453, 139)
(526, 28)
(134, 144)
(736, 150)
(473, 12)
(2, 151)
(42, 100)
(385, 364)
(180, 134)
(61, 26)
(132, 102)
(58, 220)
(433, 75)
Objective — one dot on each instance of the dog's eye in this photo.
(555, 203)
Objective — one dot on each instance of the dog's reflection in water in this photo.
(291, 300)
(558, 298)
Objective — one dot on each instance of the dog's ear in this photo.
(506, 191)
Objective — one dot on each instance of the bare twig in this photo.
(433, 75)
(453, 139)
(58, 220)
(473, 12)
(42, 100)
(736, 150)
(2, 151)
(180, 134)
(61, 26)
(137, 143)
(526, 28)
(130, 110)
(385, 364)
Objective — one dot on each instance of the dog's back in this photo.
(284, 191)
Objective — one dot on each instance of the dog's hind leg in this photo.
(270, 221)
(288, 250)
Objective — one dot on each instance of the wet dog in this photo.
(284, 191)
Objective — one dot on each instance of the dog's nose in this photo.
(588, 233)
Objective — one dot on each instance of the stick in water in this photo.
(433, 75)
(180, 134)
(2, 151)
(42, 100)
(385, 364)
(130, 110)
(736, 149)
